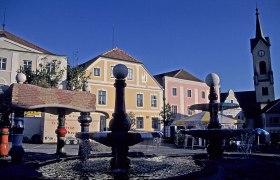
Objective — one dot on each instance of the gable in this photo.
(11, 41)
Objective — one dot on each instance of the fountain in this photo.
(214, 132)
(119, 139)
(179, 166)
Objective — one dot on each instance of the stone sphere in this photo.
(20, 78)
(212, 79)
(120, 71)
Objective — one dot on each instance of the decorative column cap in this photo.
(120, 71)
(20, 78)
(212, 79)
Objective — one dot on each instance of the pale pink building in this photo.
(183, 90)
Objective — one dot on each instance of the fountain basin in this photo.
(108, 138)
(149, 167)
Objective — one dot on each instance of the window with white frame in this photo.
(174, 91)
(144, 77)
(111, 72)
(130, 74)
(189, 93)
(96, 71)
(27, 64)
(101, 97)
(50, 67)
(3, 63)
(203, 94)
(155, 123)
(139, 100)
(174, 110)
(153, 101)
(139, 122)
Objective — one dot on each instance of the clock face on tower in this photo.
(261, 53)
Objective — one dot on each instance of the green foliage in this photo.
(132, 119)
(167, 115)
(76, 78)
(47, 76)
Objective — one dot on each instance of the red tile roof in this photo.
(180, 74)
(19, 40)
(119, 54)
(115, 53)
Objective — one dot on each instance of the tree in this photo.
(132, 119)
(168, 117)
(76, 77)
(47, 76)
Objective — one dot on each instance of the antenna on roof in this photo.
(3, 25)
(113, 38)
(75, 58)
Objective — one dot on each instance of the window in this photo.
(264, 91)
(231, 101)
(144, 77)
(174, 110)
(139, 122)
(189, 93)
(111, 72)
(262, 66)
(274, 120)
(102, 97)
(130, 74)
(50, 67)
(155, 123)
(153, 101)
(27, 64)
(3, 63)
(96, 71)
(139, 100)
(174, 91)
(203, 95)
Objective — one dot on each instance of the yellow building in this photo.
(143, 93)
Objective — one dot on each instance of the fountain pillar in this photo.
(17, 151)
(85, 120)
(4, 134)
(61, 132)
(120, 124)
(215, 146)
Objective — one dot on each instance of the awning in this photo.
(203, 118)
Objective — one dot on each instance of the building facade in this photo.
(143, 94)
(183, 90)
(16, 53)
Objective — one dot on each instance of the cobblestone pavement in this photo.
(35, 154)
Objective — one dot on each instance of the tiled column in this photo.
(4, 134)
(84, 146)
(61, 132)
(17, 150)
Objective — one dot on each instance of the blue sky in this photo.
(200, 36)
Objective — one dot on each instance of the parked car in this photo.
(71, 140)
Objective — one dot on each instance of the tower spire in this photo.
(259, 33)
(4, 19)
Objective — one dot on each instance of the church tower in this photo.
(263, 75)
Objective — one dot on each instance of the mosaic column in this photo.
(84, 146)
(17, 150)
(61, 132)
(4, 134)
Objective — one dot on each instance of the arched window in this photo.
(264, 91)
(262, 67)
